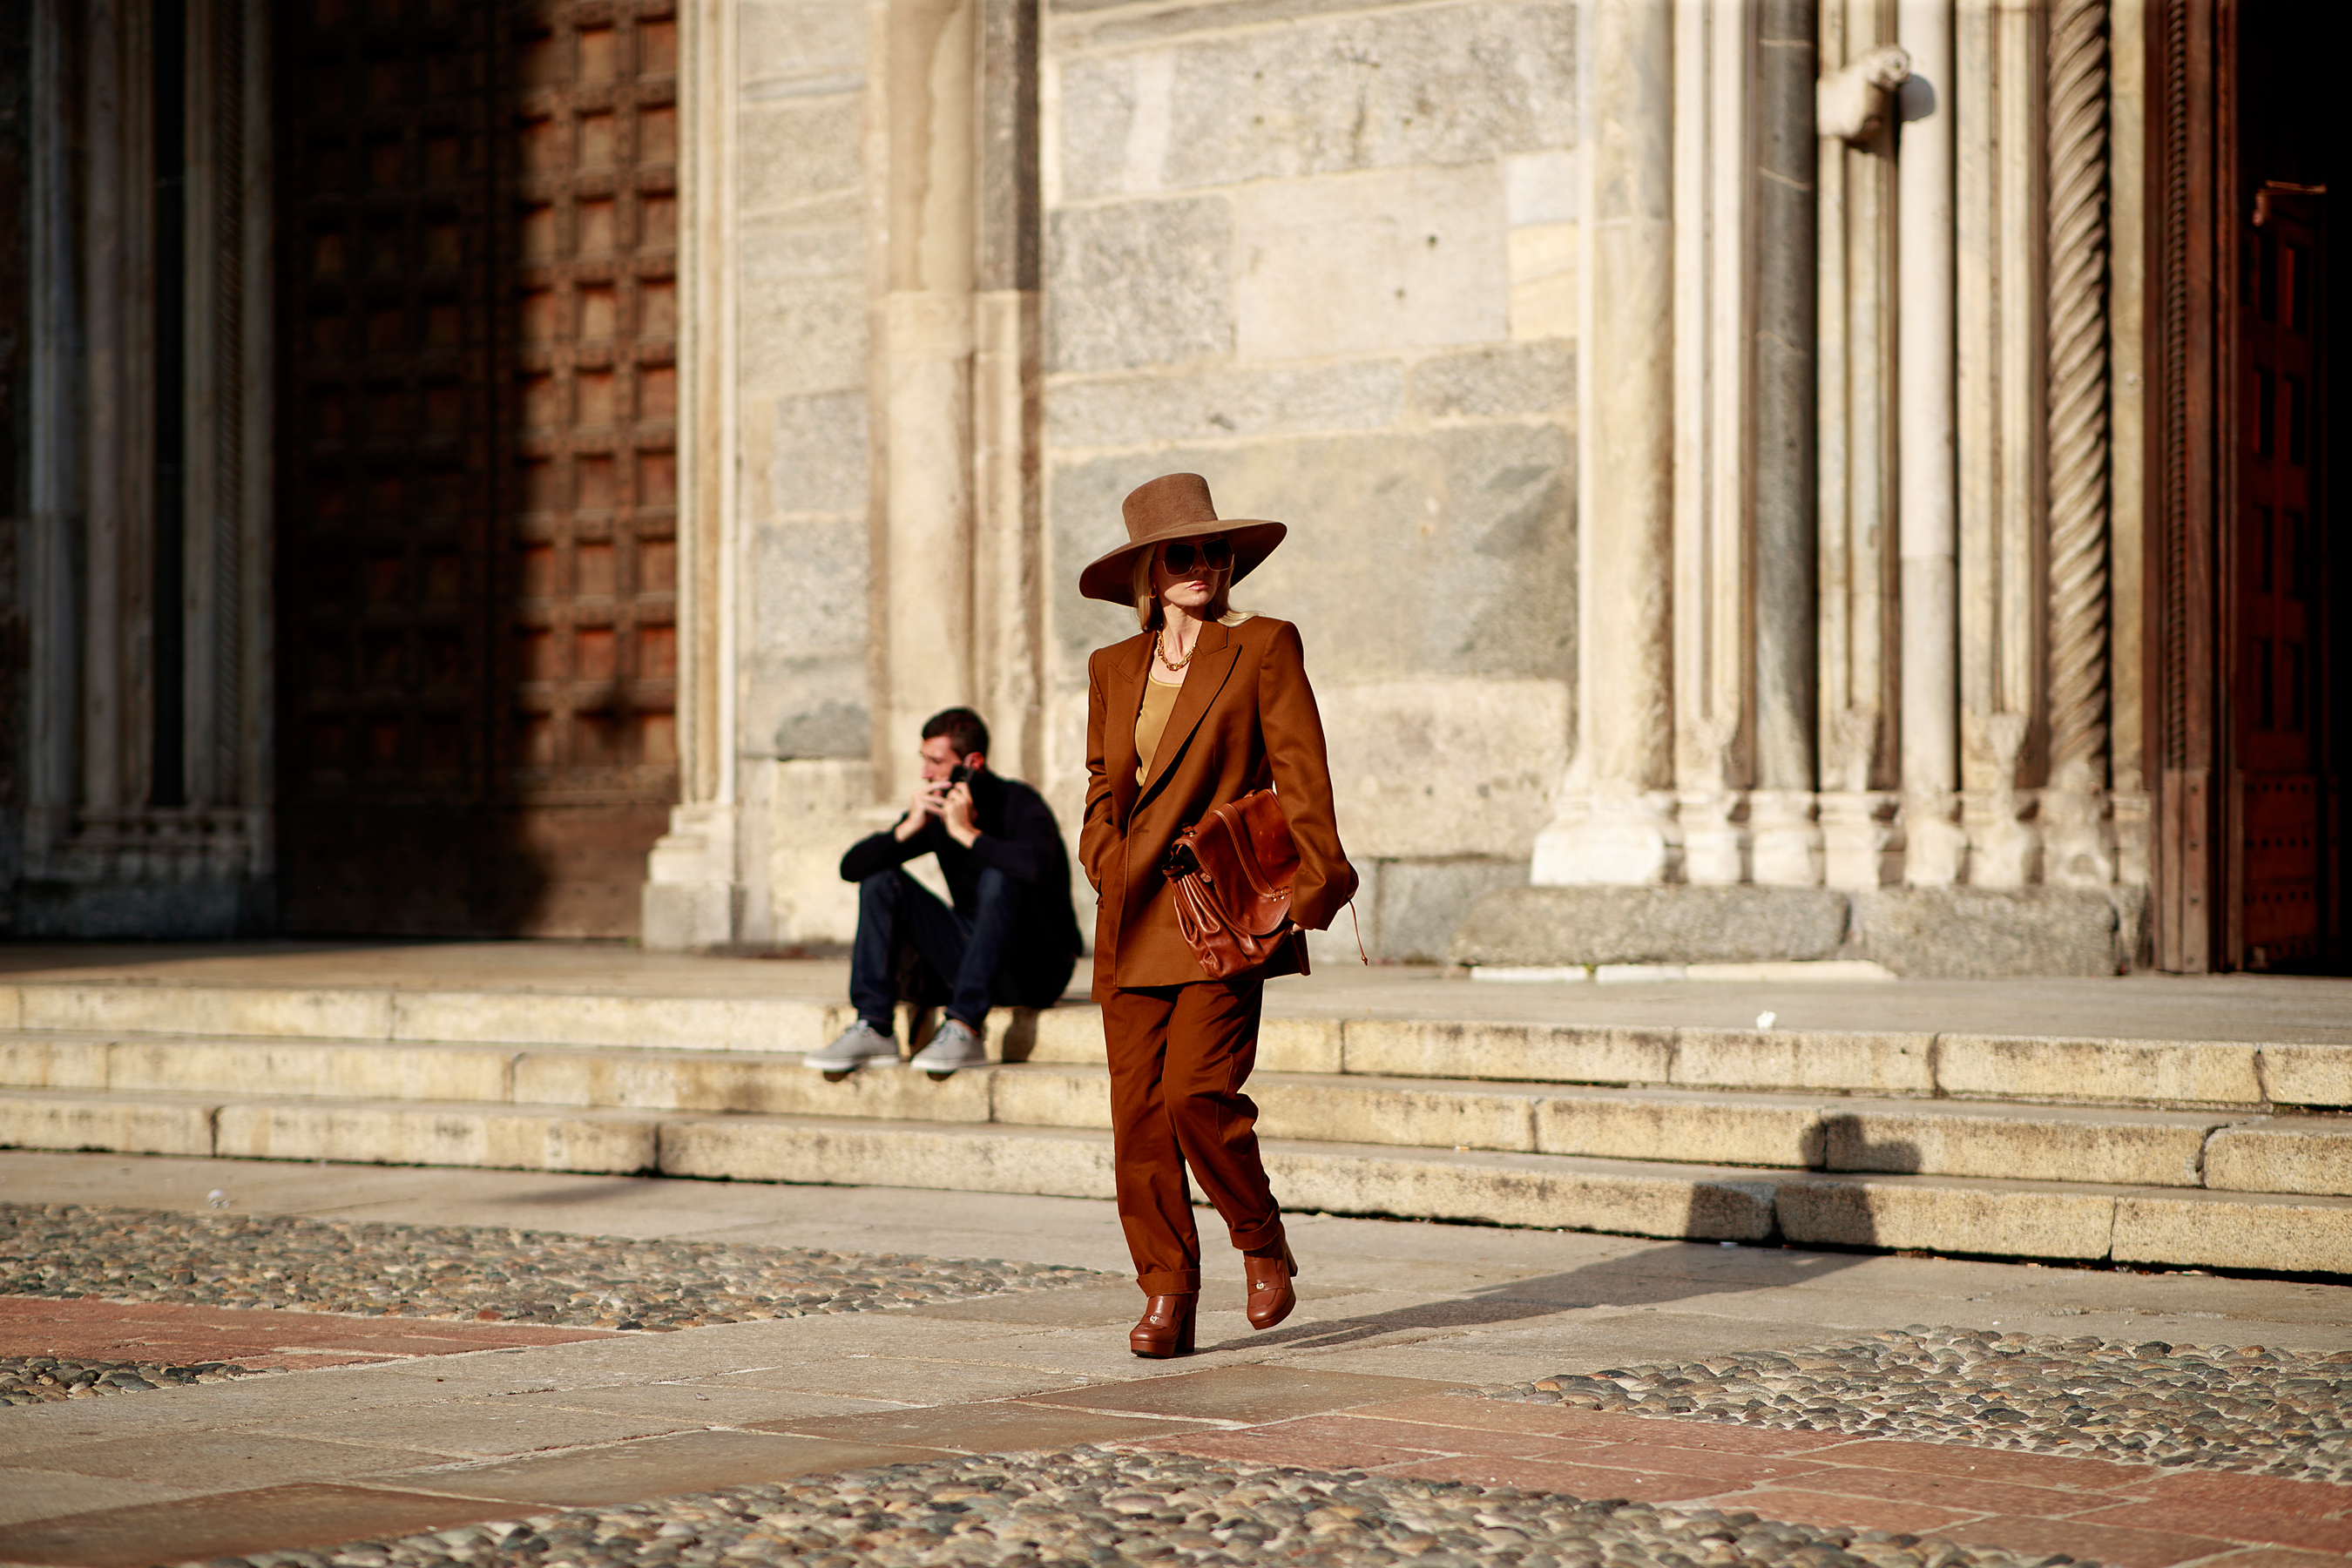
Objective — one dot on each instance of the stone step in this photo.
(2060, 1221)
(2106, 1145)
(2224, 1074)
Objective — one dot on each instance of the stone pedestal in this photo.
(690, 898)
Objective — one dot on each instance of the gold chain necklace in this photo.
(1175, 666)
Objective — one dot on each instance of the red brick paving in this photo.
(87, 1328)
(1538, 1474)
(1795, 1506)
(1967, 1493)
(2249, 1521)
(1731, 1470)
(2003, 1464)
(2271, 1494)
(2105, 1543)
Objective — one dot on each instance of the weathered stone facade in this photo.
(1711, 433)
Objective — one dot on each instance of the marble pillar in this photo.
(693, 895)
(2128, 803)
(1714, 547)
(925, 392)
(1934, 844)
(1786, 841)
(2077, 835)
(1615, 821)
(1008, 410)
(1861, 70)
(1999, 229)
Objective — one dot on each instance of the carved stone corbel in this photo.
(1855, 103)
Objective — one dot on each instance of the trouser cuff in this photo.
(1169, 1282)
(1259, 1237)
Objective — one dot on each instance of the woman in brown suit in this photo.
(1202, 706)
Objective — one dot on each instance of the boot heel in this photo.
(1166, 1327)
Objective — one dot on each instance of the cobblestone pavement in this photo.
(1084, 1507)
(2273, 1412)
(44, 1380)
(455, 1271)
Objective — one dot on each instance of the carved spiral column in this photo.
(2078, 440)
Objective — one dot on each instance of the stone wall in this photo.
(1326, 260)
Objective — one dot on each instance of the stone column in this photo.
(1861, 68)
(2075, 834)
(1925, 443)
(1714, 494)
(1998, 222)
(692, 896)
(1615, 823)
(926, 392)
(2127, 472)
(1008, 406)
(1786, 844)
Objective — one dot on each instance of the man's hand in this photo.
(926, 804)
(955, 811)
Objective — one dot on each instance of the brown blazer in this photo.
(1245, 719)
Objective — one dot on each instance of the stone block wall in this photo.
(1325, 259)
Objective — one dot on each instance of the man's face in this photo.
(940, 758)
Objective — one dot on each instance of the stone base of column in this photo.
(2004, 849)
(1858, 840)
(1786, 843)
(1613, 839)
(690, 898)
(1933, 846)
(2078, 850)
(1715, 844)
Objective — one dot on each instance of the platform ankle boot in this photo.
(1165, 1328)
(1271, 1297)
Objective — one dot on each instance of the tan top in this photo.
(1151, 721)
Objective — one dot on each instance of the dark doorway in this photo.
(2280, 830)
(476, 577)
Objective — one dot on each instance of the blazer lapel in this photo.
(1122, 696)
(1213, 662)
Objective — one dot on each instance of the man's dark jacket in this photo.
(1019, 837)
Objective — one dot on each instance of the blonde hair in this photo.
(1148, 612)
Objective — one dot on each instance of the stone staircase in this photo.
(2202, 1153)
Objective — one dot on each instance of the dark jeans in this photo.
(894, 911)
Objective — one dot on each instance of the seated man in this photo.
(1011, 937)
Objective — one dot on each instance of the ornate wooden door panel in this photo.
(478, 462)
(2279, 699)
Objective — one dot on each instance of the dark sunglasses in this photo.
(1216, 556)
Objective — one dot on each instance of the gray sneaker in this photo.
(957, 1045)
(859, 1044)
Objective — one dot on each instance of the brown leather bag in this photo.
(1232, 871)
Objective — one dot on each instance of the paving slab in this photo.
(657, 1467)
(125, 1330)
(217, 1524)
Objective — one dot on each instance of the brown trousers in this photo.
(1179, 1057)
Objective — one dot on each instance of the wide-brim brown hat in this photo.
(1172, 507)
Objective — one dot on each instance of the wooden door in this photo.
(2279, 701)
(478, 462)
